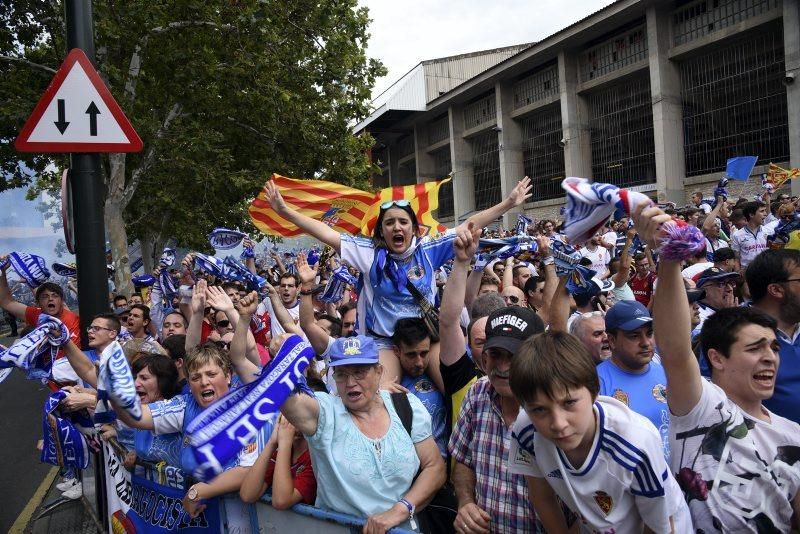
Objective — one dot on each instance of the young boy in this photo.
(603, 460)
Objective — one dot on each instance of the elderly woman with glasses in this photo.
(394, 259)
(365, 461)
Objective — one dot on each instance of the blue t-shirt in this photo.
(784, 400)
(159, 448)
(358, 475)
(433, 400)
(381, 303)
(645, 393)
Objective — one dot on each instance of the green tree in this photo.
(222, 93)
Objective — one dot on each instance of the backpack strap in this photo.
(403, 409)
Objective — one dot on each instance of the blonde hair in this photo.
(207, 353)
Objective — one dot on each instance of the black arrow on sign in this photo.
(93, 112)
(61, 123)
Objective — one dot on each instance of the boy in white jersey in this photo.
(604, 461)
(737, 463)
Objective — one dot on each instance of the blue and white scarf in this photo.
(65, 445)
(580, 281)
(523, 222)
(225, 239)
(145, 280)
(222, 429)
(35, 352)
(115, 382)
(565, 257)
(334, 289)
(67, 270)
(208, 264)
(30, 267)
(236, 271)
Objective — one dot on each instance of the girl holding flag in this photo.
(394, 263)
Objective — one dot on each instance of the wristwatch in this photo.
(193, 495)
(411, 510)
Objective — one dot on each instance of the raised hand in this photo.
(218, 299)
(466, 243)
(306, 273)
(543, 243)
(275, 198)
(648, 220)
(199, 297)
(249, 304)
(521, 192)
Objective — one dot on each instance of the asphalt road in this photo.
(21, 472)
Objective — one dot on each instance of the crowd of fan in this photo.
(660, 396)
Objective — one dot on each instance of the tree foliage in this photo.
(222, 93)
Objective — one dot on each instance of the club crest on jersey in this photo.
(415, 273)
(522, 457)
(660, 393)
(622, 397)
(423, 386)
(604, 501)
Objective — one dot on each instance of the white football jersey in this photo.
(624, 481)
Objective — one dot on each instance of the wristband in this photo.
(411, 509)
(306, 292)
(548, 260)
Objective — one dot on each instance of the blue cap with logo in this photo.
(355, 350)
(627, 315)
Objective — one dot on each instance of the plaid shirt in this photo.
(480, 441)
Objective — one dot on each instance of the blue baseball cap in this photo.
(354, 350)
(627, 315)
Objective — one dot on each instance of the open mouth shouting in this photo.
(765, 378)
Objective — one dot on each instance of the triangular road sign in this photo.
(77, 113)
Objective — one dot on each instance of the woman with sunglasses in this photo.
(394, 257)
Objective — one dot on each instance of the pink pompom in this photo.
(680, 241)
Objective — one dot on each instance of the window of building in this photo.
(734, 103)
(543, 156)
(614, 53)
(486, 170)
(536, 87)
(438, 130)
(695, 19)
(481, 112)
(621, 125)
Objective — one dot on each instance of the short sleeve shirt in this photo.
(302, 476)
(748, 244)
(623, 482)
(735, 470)
(70, 320)
(380, 302)
(358, 475)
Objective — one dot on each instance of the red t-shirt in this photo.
(642, 287)
(302, 476)
(71, 320)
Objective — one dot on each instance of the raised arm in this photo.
(318, 337)
(550, 278)
(711, 218)
(508, 273)
(7, 302)
(220, 301)
(194, 332)
(244, 367)
(80, 363)
(623, 273)
(672, 321)
(518, 196)
(451, 346)
(280, 313)
(559, 307)
(317, 229)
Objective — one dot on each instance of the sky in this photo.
(409, 31)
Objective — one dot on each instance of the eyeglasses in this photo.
(512, 299)
(224, 323)
(340, 375)
(398, 203)
(95, 328)
(790, 280)
(725, 283)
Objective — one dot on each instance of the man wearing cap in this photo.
(490, 498)
(50, 301)
(630, 375)
(719, 286)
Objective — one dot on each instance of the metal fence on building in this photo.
(442, 166)
(542, 154)
(486, 170)
(438, 130)
(621, 125)
(701, 17)
(536, 87)
(734, 103)
(481, 112)
(615, 53)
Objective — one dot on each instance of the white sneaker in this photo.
(66, 484)
(73, 493)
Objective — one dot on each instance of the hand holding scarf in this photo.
(115, 382)
(35, 352)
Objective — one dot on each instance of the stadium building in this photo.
(651, 95)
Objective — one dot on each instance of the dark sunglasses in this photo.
(512, 298)
(224, 323)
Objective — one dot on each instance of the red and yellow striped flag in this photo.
(340, 207)
(777, 176)
(424, 200)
